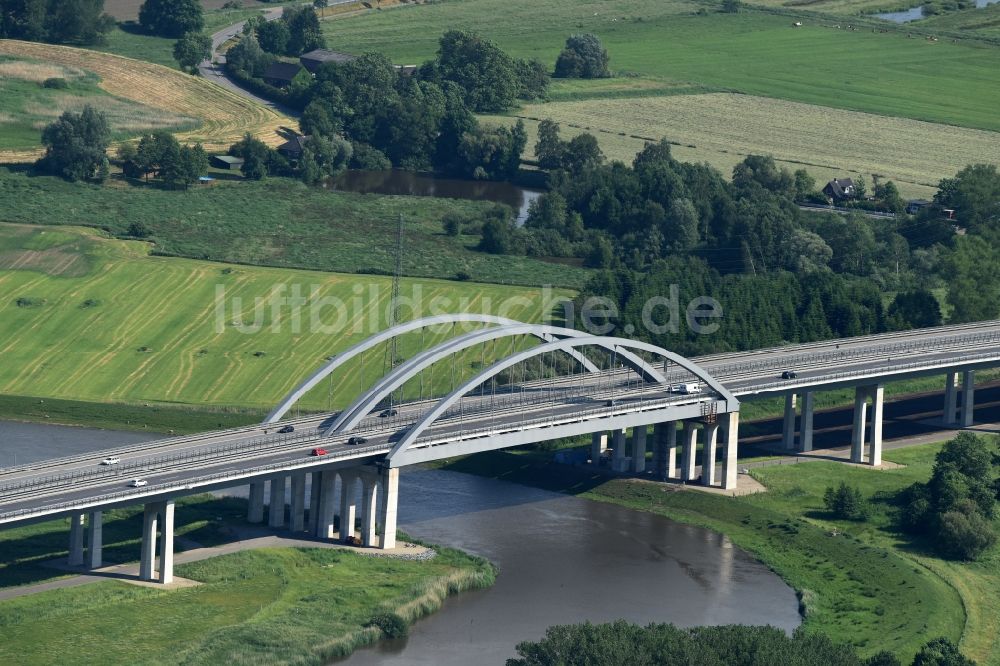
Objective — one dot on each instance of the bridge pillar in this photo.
(76, 540)
(788, 430)
(387, 503)
(690, 444)
(95, 531)
(875, 446)
(314, 488)
(618, 453)
(167, 542)
(255, 510)
(660, 449)
(639, 449)
(298, 510)
(950, 399)
(671, 445)
(324, 484)
(348, 506)
(729, 469)
(369, 498)
(148, 549)
(806, 429)
(276, 509)
(858, 431)
(711, 431)
(968, 397)
(598, 445)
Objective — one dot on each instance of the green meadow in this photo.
(85, 317)
(754, 52)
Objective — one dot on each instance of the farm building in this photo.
(839, 188)
(292, 149)
(914, 206)
(281, 74)
(226, 162)
(312, 60)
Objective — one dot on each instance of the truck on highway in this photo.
(686, 389)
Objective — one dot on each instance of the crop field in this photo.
(26, 106)
(128, 10)
(752, 52)
(89, 318)
(722, 128)
(223, 115)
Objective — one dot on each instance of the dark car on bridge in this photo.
(788, 374)
(287, 428)
(388, 412)
(356, 440)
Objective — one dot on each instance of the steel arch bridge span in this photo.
(351, 416)
(403, 453)
(382, 336)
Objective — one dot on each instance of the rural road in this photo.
(213, 69)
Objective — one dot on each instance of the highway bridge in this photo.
(565, 383)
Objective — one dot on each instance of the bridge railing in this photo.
(186, 484)
(790, 362)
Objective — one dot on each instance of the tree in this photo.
(487, 74)
(549, 149)
(248, 57)
(964, 535)
(76, 145)
(320, 4)
(273, 36)
(57, 21)
(845, 502)
(583, 57)
(805, 184)
(255, 155)
(304, 32)
(974, 195)
(973, 274)
(497, 236)
(941, 652)
(887, 195)
(316, 120)
(171, 18)
(915, 309)
(731, 6)
(191, 49)
(580, 152)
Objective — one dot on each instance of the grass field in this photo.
(274, 605)
(751, 52)
(279, 222)
(89, 318)
(984, 22)
(128, 10)
(722, 128)
(26, 106)
(860, 583)
(223, 116)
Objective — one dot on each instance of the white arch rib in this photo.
(396, 456)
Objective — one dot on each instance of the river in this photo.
(562, 559)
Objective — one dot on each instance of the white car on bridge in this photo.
(112, 460)
(138, 483)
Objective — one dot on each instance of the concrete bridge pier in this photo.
(639, 449)
(298, 509)
(711, 431)
(729, 460)
(369, 515)
(968, 397)
(348, 505)
(76, 540)
(858, 441)
(806, 429)
(598, 445)
(788, 427)
(276, 509)
(387, 505)
(618, 452)
(664, 449)
(255, 510)
(950, 399)
(95, 533)
(858, 428)
(689, 444)
(314, 487)
(324, 485)
(157, 514)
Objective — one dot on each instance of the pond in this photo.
(917, 13)
(411, 183)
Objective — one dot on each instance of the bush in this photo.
(56, 83)
(391, 624)
(845, 502)
(369, 158)
(941, 652)
(964, 535)
(584, 57)
(28, 302)
(137, 230)
(452, 223)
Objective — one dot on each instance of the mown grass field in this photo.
(224, 117)
(26, 106)
(984, 22)
(279, 222)
(89, 318)
(274, 605)
(723, 128)
(751, 52)
(860, 583)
